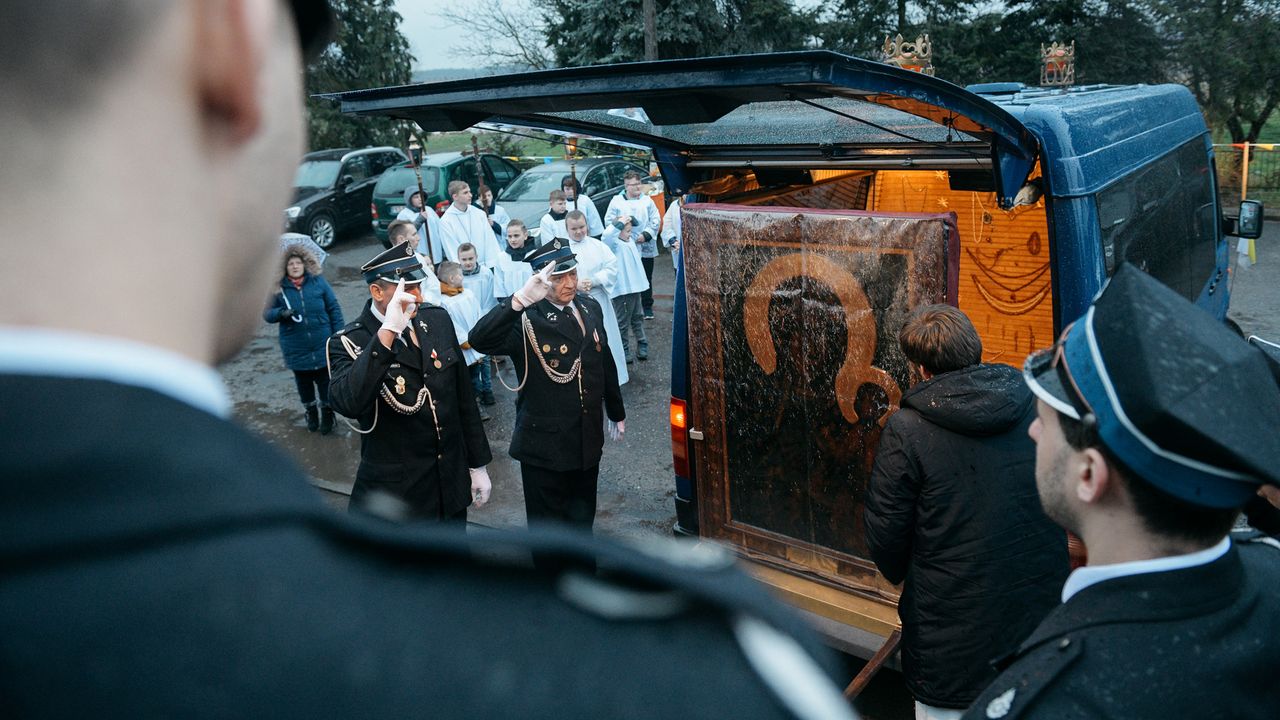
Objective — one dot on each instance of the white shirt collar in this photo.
(1083, 577)
(59, 353)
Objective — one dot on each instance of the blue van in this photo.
(1031, 196)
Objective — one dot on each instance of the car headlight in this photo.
(293, 212)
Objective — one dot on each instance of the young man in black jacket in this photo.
(952, 511)
(1156, 424)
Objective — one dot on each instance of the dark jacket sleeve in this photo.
(332, 307)
(612, 391)
(892, 493)
(275, 310)
(475, 442)
(353, 384)
(498, 332)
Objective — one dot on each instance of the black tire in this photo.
(322, 230)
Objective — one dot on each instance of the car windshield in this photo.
(396, 179)
(317, 173)
(534, 185)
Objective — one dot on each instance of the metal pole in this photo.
(1244, 175)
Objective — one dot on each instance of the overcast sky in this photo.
(431, 36)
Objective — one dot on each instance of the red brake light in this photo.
(373, 210)
(679, 437)
(442, 206)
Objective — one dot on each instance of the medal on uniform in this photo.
(400, 389)
(435, 360)
(564, 349)
(554, 363)
(546, 348)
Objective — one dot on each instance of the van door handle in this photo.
(695, 434)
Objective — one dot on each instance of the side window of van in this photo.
(1161, 219)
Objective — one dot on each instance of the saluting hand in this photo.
(400, 310)
(534, 289)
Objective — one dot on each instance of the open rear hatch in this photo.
(814, 109)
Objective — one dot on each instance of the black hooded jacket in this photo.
(952, 510)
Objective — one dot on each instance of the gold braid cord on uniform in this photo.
(555, 375)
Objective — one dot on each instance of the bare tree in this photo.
(499, 34)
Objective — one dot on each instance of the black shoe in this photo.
(648, 314)
(326, 420)
(484, 416)
(313, 418)
(486, 398)
(643, 357)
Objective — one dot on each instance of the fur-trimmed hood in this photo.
(309, 261)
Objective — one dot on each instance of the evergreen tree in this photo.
(369, 52)
(590, 32)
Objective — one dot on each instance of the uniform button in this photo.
(439, 456)
(1066, 643)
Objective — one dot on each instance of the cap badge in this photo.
(555, 244)
(408, 249)
(1000, 706)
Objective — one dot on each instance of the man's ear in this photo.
(1092, 476)
(231, 43)
(375, 291)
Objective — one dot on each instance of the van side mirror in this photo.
(1249, 224)
(346, 181)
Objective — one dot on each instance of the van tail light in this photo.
(441, 207)
(679, 437)
(373, 210)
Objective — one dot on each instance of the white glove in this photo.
(536, 288)
(616, 429)
(584, 284)
(399, 310)
(481, 487)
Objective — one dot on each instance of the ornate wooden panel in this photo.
(793, 321)
(1004, 260)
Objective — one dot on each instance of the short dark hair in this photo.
(556, 195)
(464, 247)
(1162, 514)
(517, 222)
(940, 338)
(575, 215)
(397, 230)
(631, 175)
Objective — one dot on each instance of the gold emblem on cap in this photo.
(564, 349)
(555, 244)
(400, 389)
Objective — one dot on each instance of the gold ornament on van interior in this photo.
(1058, 64)
(917, 56)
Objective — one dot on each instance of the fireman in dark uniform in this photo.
(398, 370)
(556, 339)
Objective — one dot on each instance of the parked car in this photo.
(601, 179)
(332, 190)
(438, 170)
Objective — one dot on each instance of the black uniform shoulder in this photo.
(588, 302)
(433, 312)
(354, 330)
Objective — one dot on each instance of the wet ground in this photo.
(1255, 291)
(636, 487)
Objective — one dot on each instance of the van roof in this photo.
(1095, 134)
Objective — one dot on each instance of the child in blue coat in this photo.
(308, 313)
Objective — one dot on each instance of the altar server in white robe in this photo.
(597, 273)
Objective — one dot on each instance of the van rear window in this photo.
(1161, 218)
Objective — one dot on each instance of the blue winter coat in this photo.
(303, 343)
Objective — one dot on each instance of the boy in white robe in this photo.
(464, 309)
(552, 225)
(574, 200)
(622, 232)
(464, 223)
(597, 272)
